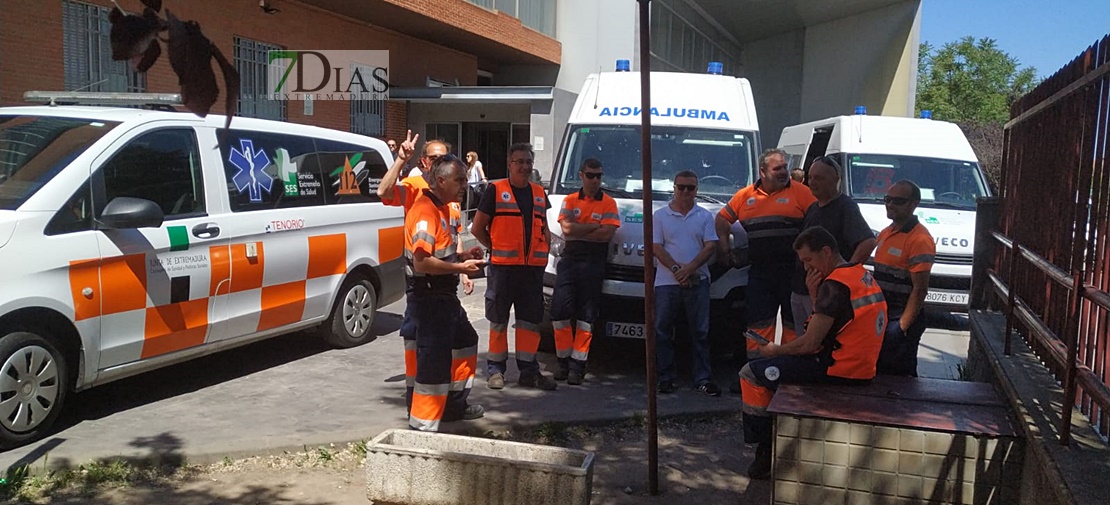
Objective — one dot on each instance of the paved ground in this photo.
(292, 391)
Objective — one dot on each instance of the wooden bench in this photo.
(895, 441)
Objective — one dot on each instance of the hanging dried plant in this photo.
(135, 38)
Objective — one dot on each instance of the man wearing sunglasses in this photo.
(903, 260)
(684, 241)
(512, 222)
(837, 213)
(588, 220)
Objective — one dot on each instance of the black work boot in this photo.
(563, 369)
(760, 469)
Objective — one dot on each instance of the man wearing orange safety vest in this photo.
(903, 260)
(512, 222)
(771, 211)
(841, 342)
(446, 343)
(588, 220)
(403, 194)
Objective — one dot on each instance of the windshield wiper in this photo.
(710, 199)
(948, 205)
(617, 192)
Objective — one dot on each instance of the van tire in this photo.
(42, 388)
(352, 319)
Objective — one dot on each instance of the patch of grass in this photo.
(13, 480)
(113, 472)
(324, 454)
(360, 448)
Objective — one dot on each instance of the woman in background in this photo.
(474, 172)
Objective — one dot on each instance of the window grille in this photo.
(254, 87)
(87, 52)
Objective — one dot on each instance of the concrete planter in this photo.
(418, 468)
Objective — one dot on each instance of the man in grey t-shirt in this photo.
(684, 240)
(838, 214)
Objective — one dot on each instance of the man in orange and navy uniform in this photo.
(903, 260)
(588, 220)
(840, 345)
(446, 343)
(403, 194)
(512, 222)
(771, 211)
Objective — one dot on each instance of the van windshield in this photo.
(722, 159)
(33, 149)
(944, 183)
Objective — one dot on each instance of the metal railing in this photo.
(1051, 267)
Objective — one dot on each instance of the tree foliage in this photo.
(970, 81)
(973, 83)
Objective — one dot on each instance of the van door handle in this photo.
(206, 230)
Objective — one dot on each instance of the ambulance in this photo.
(877, 151)
(132, 239)
(701, 122)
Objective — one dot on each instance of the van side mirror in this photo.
(124, 212)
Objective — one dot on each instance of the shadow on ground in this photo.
(141, 479)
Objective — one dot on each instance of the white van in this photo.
(701, 122)
(877, 151)
(132, 239)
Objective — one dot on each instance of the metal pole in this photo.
(649, 254)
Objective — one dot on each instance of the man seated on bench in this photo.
(841, 342)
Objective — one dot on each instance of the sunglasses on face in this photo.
(896, 200)
(685, 187)
(593, 175)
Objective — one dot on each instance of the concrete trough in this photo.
(418, 468)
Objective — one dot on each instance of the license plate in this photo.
(946, 298)
(625, 330)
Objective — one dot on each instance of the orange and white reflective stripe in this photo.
(527, 340)
(564, 338)
(582, 338)
(498, 342)
(463, 364)
(428, 403)
(410, 362)
(755, 398)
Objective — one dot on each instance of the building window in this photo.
(87, 52)
(254, 87)
(538, 15)
(682, 39)
(444, 132)
(368, 117)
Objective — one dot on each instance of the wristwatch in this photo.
(674, 268)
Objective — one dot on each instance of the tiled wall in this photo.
(825, 462)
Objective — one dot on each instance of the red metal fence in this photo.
(1052, 271)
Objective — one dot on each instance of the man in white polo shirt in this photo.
(685, 238)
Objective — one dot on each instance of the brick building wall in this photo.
(31, 46)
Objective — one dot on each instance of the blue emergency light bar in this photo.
(623, 66)
(861, 110)
(716, 68)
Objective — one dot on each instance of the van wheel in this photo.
(33, 379)
(353, 315)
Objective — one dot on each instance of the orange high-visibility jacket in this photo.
(862, 337)
(506, 229)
